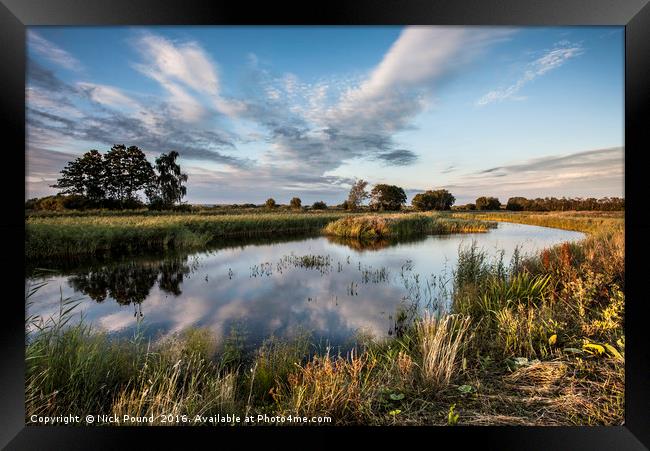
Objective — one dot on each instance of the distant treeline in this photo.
(113, 181)
(555, 204)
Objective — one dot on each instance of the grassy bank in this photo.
(534, 341)
(376, 227)
(580, 221)
(74, 236)
(66, 236)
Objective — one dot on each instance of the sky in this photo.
(259, 112)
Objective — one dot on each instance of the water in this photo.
(331, 288)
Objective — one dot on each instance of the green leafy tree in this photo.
(319, 205)
(295, 202)
(84, 176)
(433, 200)
(270, 203)
(127, 172)
(72, 179)
(488, 203)
(167, 188)
(93, 164)
(517, 204)
(357, 195)
(387, 197)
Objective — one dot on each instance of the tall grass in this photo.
(66, 236)
(189, 386)
(90, 235)
(440, 341)
(72, 367)
(340, 387)
(376, 227)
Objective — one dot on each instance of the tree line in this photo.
(391, 197)
(565, 204)
(384, 197)
(115, 179)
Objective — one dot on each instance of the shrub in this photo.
(295, 203)
(433, 200)
(270, 203)
(488, 203)
(319, 205)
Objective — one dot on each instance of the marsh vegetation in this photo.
(529, 339)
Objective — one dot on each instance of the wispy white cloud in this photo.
(301, 131)
(599, 172)
(181, 66)
(51, 51)
(319, 126)
(402, 84)
(107, 95)
(552, 59)
(74, 116)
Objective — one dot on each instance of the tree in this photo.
(319, 205)
(127, 172)
(433, 200)
(357, 194)
(93, 166)
(84, 176)
(295, 202)
(270, 203)
(488, 203)
(387, 197)
(72, 179)
(517, 204)
(168, 187)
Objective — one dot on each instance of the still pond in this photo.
(330, 288)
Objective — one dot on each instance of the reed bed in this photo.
(72, 236)
(65, 236)
(378, 227)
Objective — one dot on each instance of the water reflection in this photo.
(332, 288)
(372, 245)
(131, 282)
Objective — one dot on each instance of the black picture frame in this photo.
(15, 15)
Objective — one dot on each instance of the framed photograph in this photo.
(375, 214)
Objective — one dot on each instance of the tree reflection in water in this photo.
(131, 282)
(372, 245)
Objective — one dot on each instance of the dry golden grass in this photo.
(440, 341)
(333, 386)
(189, 387)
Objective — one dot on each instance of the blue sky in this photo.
(258, 112)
